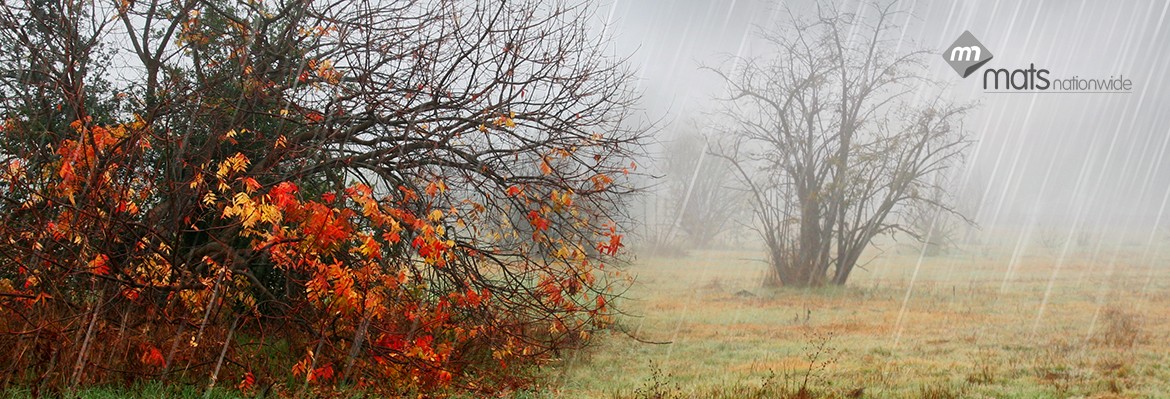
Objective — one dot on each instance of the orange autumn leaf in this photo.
(407, 194)
(250, 184)
(562, 200)
(611, 248)
(601, 181)
(100, 265)
(435, 188)
(371, 248)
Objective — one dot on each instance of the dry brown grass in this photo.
(1121, 328)
(973, 326)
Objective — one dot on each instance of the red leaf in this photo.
(393, 341)
(322, 374)
(539, 222)
(248, 382)
(152, 357)
(315, 117)
(283, 195)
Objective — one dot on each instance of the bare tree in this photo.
(832, 135)
(705, 203)
(932, 226)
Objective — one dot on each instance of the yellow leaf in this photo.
(197, 181)
(435, 215)
(371, 248)
(239, 162)
(241, 199)
(270, 213)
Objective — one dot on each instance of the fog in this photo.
(1072, 161)
(465, 199)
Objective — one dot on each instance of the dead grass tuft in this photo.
(985, 367)
(941, 390)
(1121, 328)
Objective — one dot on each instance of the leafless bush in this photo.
(1121, 328)
(985, 366)
(658, 386)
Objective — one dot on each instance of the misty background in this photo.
(1065, 162)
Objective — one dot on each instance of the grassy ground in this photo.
(973, 325)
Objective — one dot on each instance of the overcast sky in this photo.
(1043, 159)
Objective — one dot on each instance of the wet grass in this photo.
(974, 325)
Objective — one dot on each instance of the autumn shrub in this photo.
(402, 196)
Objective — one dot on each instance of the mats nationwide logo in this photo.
(966, 55)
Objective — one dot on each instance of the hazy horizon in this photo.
(1088, 161)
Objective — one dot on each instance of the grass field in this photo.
(973, 326)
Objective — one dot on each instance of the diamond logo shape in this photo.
(967, 54)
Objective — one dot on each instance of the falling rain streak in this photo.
(1078, 179)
